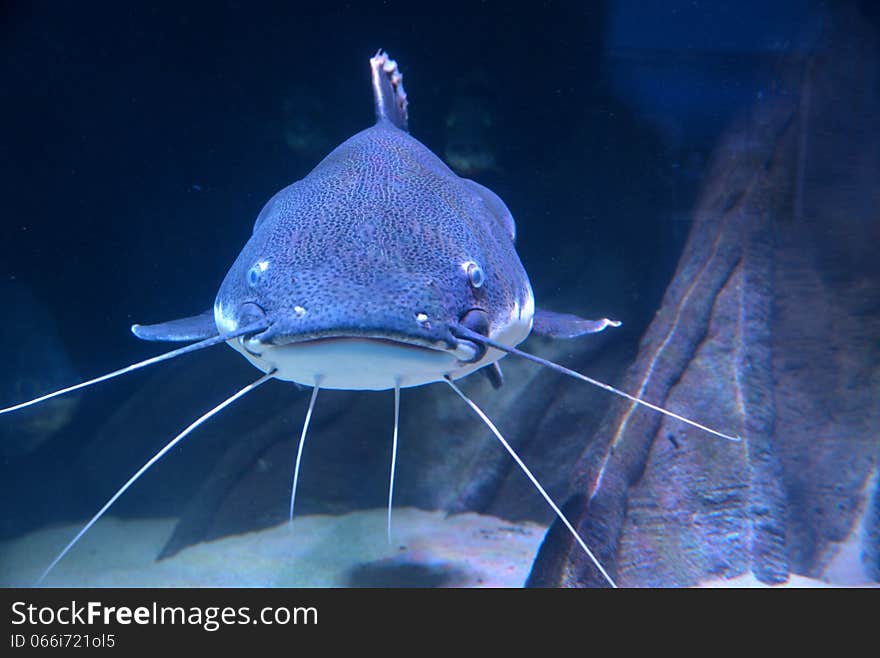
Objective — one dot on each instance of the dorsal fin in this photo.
(388, 93)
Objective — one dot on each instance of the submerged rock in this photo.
(768, 331)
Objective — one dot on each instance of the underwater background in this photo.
(705, 172)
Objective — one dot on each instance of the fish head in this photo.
(362, 280)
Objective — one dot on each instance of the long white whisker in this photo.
(208, 342)
(534, 480)
(393, 452)
(143, 469)
(302, 442)
(471, 335)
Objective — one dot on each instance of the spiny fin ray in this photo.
(388, 93)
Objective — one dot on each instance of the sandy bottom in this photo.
(429, 549)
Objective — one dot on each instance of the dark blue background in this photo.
(141, 139)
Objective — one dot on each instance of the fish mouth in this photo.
(464, 350)
(359, 360)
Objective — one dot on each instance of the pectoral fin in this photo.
(565, 325)
(197, 327)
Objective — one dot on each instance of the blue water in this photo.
(139, 144)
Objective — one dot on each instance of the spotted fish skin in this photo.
(375, 242)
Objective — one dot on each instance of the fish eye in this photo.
(474, 273)
(255, 273)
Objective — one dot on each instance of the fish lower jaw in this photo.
(357, 363)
